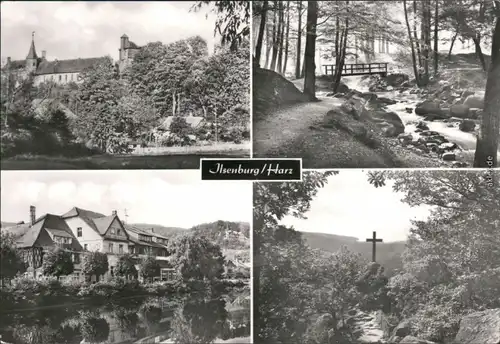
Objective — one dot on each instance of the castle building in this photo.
(64, 71)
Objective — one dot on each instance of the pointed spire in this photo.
(32, 53)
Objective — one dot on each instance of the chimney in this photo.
(114, 213)
(32, 214)
(152, 230)
(8, 60)
(44, 54)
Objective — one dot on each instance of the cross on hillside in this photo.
(374, 242)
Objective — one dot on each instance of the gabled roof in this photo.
(144, 232)
(132, 45)
(26, 235)
(67, 66)
(143, 243)
(16, 64)
(102, 223)
(86, 215)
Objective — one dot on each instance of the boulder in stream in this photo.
(467, 125)
(460, 111)
(422, 125)
(449, 156)
(474, 101)
(480, 327)
(390, 123)
(447, 146)
(475, 113)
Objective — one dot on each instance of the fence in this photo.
(358, 69)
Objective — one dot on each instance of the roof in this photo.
(144, 232)
(102, 223)
(32, 52)
(194, 121)
(58, 232)
(132, 45)
(143, 243)
(26, 235)
(16, 64)
(67, 66)
(86, 215)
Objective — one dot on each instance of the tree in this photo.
(57, 262)
(197, 258)
(488, 140)
(11, 263)
(95, 263)
(126, 266)
(94, 328)
(149, 267)
(233, 20)
(413, 56)
(262, 27)
(310, 52)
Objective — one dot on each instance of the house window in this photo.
(71, 77)
(51, 77)
(112, 231)
(79, 232)
(60, 77)
(76, 258)
(111, 247)
(66, 77)
(85, 247)
(120, 248)
(119, 232)
(131, 249)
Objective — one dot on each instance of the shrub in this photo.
(180, 126)
(149, 267)
(95, 263)
(57, 262)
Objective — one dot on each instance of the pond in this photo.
(196, 318)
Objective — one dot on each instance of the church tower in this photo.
(32, 58)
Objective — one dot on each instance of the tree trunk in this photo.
(426, 39)
(279, 67)
(174, 105)
(310, 65)
(257, 257)
(260, 37)
(338, 71)
(487, 142)
(413, 57)
(268, 46)
(275, 38)
(436, 41)
(452, 44)
(298, 65)
(287, 37)
(417, 44)
(479, 52)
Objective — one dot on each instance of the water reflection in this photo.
(191, 319)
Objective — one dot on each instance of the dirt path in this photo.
(287, 124)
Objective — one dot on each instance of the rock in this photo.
(343, 88)
(475, 113)
(402, 330)
(386, 100)
(467, 125)
(340, 120)
(460, 111)
(428, 107)
(369, 96)
(447, 146)
(414, 340)
(466, 93)
(390, 123)
(409, 110)
(397, 79)
(352, 312)
(480, 327)
(339, 95)
(429, 133)
(449, 156)
(437, 139)
(459, 164)
(389, 88)
(432, 146)
(422, 125)
(331, 94)
(474, 101)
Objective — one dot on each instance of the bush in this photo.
(180, 126)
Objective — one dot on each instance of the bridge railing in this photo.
(358, 68)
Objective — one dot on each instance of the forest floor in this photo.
(161, 161)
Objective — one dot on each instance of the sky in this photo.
(173, 198)
(348, 205)
(78, 29)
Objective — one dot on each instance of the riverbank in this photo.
(28, 293)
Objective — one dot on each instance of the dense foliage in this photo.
(95, 263)
(149, 267)
(449, 270)
(197, 258)
(57, 262)
(126, 266)
(11, 263)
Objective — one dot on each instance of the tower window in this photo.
(66, 77)
(60, 77)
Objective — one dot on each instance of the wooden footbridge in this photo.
(358, 69)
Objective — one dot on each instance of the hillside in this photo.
(388, 254)
(159, 229)
(6, 224)
(229, 235)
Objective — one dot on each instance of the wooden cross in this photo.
(374, 241)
